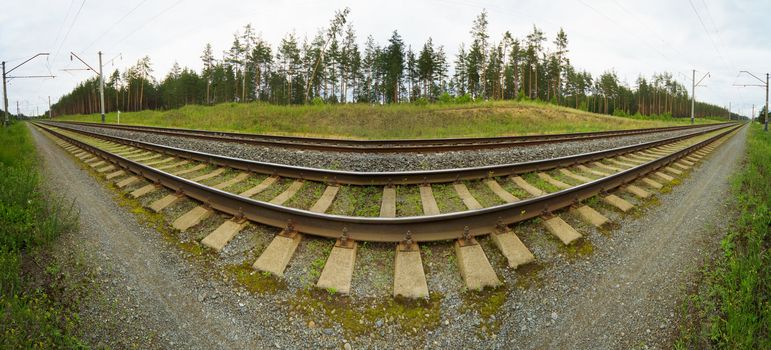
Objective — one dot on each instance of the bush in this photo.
(620, 113)
(317, 101)
(445, 97)
(421, 101)
(466, 98)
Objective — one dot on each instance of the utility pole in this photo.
(5, 99)
(694, 84)
(101, 78)
(762, 84)
(49, 108)
(7, 77)
(729, 110)
(101, 84)
(18, 112)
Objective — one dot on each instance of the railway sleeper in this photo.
(409, 277)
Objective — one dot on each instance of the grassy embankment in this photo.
(390, 121)
(731, 309)
(29, 221)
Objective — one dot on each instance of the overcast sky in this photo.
(629, 37)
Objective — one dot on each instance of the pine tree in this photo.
(440, 70)
(208, 62)
(561, 44)
(412, 75)
(370, 65)
(534, 47)
(477, 56)
(460, 78)
(425, 67)
(394, 60)
(335, 27)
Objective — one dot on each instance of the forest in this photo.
(332, 68)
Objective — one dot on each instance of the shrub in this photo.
(466, 98)
(421, 101)
(445, 97)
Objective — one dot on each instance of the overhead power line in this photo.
(717, 31)
(66, 16)
(709, 36)
(74, 20)
(119, 21)
(144, 24)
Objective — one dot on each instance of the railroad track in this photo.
(385, 146)
(410, 210)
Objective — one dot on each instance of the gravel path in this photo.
(618, 289)
(388, 162)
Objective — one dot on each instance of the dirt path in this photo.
(633, 302)
(625, 294)
(147, 295)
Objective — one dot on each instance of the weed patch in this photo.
(731, 310)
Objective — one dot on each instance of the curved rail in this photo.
(387, 178)
(423, 228)
(385, 146)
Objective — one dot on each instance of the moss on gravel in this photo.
(487, 303)
(255, 281)
(360, 317)
(582, 248)
(529, 276)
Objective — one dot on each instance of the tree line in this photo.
(331, 67)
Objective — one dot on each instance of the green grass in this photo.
(251, 181)
(533, 179)
(732, 310)
(390, 121)
(408, 201)
(307, 196)
(357, 201)
(512, 188)
(447, 198)
(273, 190)
(29, 220)
(483, 194)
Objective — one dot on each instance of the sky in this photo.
(632, 38)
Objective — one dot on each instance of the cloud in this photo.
(629, 37)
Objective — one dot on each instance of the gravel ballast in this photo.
(618, 289)
(388, 162)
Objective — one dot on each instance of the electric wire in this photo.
(114, 25)
(61, 28)
(144, 24)
(709, 36)
(717, 31)
(74, 20)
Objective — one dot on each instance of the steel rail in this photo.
(386, 178)
(385, 146)
(420, 228)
